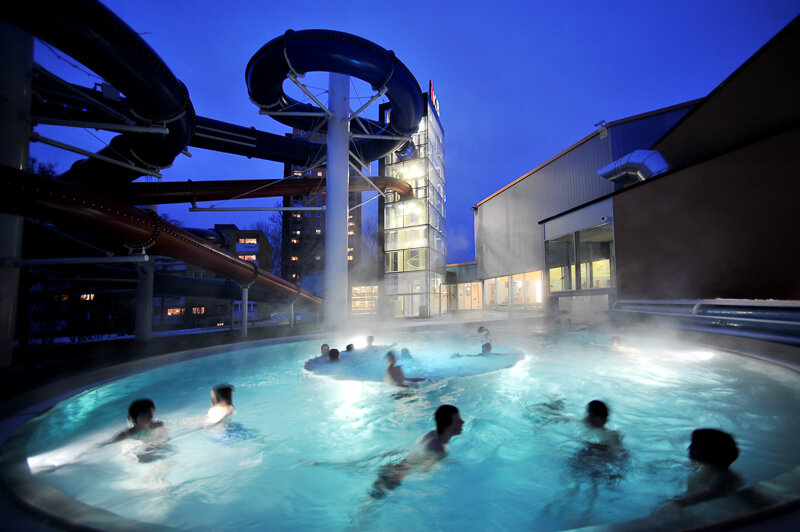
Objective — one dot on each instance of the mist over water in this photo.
(304, 449)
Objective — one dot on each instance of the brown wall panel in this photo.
(726, 228)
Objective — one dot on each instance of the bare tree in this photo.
(42, 169)
(272, 226)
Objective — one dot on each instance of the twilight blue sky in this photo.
(517, 81)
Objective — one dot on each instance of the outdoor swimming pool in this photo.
(304, 449)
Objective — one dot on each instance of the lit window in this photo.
(319, 231)
(294, 276)
(350, 216)
(248, 241)
(297, 173)
(294, 241)
(351, 232)
(319, 174)
(198, 310)
(247, 257)
(177, 311)
(61, 297)
(316, 258)
(351, 224)
(349, 249)
(295, 258)
(296, 215)
(349, 257)
(87, 297)
(297, 233)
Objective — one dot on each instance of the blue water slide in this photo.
(300, 52)
(90, 32)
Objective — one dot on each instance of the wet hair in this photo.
(444, 417)
(714, 447)
(597, 409)
(139, 407)
(482, 329)
(486, 348)
(333, 354)
(390, 354)
(223, 393)
(404, 353)
(349, 347)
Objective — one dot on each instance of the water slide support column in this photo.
(245, 303)
(143, 322)
(336, 281)
(16, 64)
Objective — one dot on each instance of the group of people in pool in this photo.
(711, 451)
(142, 413)
(394, 375)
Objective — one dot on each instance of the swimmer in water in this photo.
(394, 374)
(324, 349)
(333, 355)
(370, 341)
(142, 417)
(405, 354)
(486, 336)
(712, 452)
(349, 348)
(221, 404)
(486, 349)
(428, 450)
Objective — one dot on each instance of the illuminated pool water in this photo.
(305, 449)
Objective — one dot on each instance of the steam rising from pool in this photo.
(304, 449)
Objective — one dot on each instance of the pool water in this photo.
(303, 449)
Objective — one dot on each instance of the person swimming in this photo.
(142, 417)
(712, 452)
(486, 336)
(333, 355)
(221, 404)
(486, 349)
(394, 375)
(428, 450)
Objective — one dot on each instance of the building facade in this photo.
(523, 259)
(413, 229)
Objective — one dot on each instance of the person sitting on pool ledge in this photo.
(486, 349)
(221, 404)
(394, 374)
(429, 449)
(142, 417)
(333, 355)
(712, 452)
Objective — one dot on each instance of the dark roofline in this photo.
(587, 138)
(732, 75)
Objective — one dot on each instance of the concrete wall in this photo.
(725, 228)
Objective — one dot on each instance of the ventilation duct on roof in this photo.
(634, 167)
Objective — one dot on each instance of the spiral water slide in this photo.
(98, 194)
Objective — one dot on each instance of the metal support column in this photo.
(291, 314)
(16, 63)
(336, 281)
(144, 301)
(245, 294)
